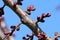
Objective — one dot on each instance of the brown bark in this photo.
(25, 18)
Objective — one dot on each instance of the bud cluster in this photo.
(30, 37)
(57, 35)
(12, 30)
(42, 36)
(29, 9)
(41, 19)
(19, 2)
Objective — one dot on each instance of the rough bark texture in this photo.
(25, 19)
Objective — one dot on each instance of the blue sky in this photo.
(51, 24)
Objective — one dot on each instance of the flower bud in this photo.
(28, 35)
(38, 18)
(31, 8)
(48, 15)
(6, 33)
(55, 33)
(43, 15)
(13, 28)
(19, 2)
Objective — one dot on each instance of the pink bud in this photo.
(28, 35)
(1, 18)
(32, 33)
(15, 3)
(43, 15)
(48, 15)
(39, 35)
(55, 33)
(31, 8)
(6, 33)
(13, 28)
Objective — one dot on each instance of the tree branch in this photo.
(3, 29)
(25, 18)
